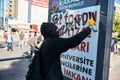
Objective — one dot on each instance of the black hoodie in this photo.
(54, 46)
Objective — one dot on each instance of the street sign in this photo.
(90, 59)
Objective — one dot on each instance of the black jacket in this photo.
(54, 46)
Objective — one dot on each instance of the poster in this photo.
(79, 63)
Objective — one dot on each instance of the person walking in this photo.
(33, 43)
(52, 47)
(39, 40)
(21, 40)
(26, 38)
(9, 40)
(114, 48)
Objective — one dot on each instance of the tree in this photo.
(116, 25)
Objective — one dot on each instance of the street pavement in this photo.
(16, 69)
(114, 73)
(13, 69)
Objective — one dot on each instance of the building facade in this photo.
(1, 13)
(117, 10)
(20, 13)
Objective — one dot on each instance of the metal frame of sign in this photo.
(103, 57)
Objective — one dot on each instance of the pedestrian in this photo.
(5, 36)
(30, 35)
(26, 37)
(21, 40)
(51, 49)
(39, 40)
(9, 40)
(33, 43)
(114, 48)
(115, 44)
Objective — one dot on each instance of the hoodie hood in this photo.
(49, 30)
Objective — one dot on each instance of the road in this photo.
(16, 69)
(13, 69)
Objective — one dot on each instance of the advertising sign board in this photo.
(40, 3)
(71, 17)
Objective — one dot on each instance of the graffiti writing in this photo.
(72, 23)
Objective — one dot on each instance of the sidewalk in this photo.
(13, 69)
(114, 73)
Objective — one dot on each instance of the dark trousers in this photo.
(33, 50)
(9, 46)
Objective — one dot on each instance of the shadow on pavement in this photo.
(16, 71)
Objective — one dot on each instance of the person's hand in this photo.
(91, 26)
(91, 23)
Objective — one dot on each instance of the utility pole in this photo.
(29, 10)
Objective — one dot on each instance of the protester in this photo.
(50, 51)
(9, 40)
(21, 40)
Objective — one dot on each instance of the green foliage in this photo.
(116, 25)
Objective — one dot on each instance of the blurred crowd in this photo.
(23, 38)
